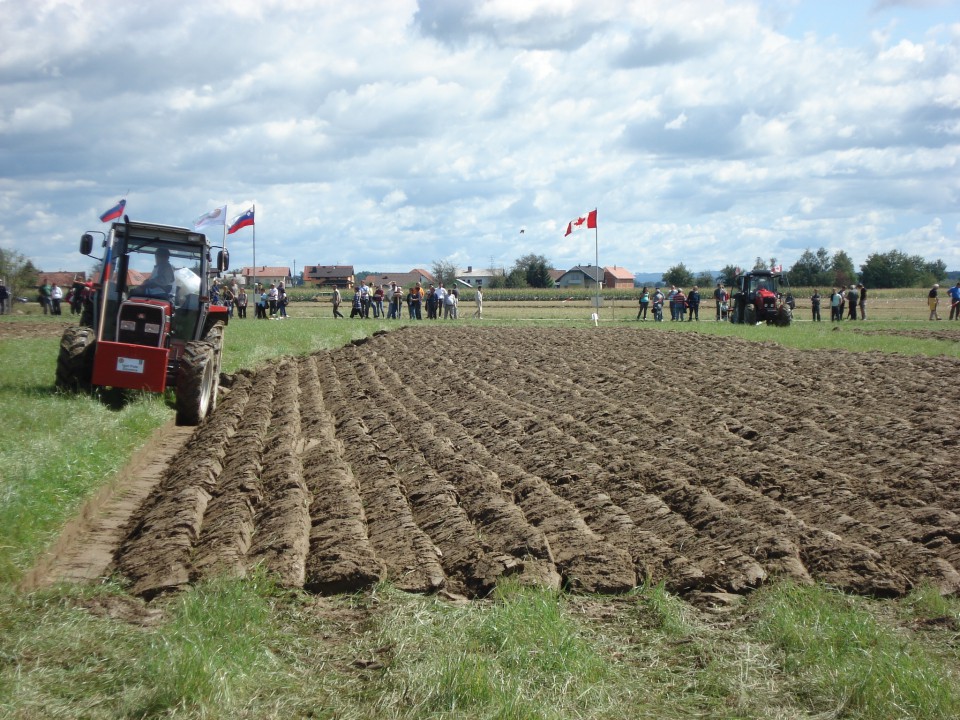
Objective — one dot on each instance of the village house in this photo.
(265, 275)
(477, 278)
(328, 275)
(617, 278)
(581, 276)
(402, 279)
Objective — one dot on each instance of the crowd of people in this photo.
(440, 302)
(680, 304)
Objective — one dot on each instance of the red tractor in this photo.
(147, 322)
(757, 298)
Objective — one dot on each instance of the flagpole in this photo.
(254, 250)
(596, 250)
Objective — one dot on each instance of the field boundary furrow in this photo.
(229, 518)
(281, 537)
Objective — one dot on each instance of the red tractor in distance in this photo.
(147, 321)
(757, 298)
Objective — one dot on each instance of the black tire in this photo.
(783, 317)
(215, 338)
(196, 383)
(75, 360)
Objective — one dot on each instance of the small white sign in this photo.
(130, 365)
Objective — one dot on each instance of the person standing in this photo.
(853, 297)
(679, 304)
(56, 298)
(644, 304)
(720, 295)
(378, 302)
(933, 301)
(282, 301)
(414, 302)
(336, 300)
(272, 295)
(671, 298)
(658, 299)
(478, 298)
(4, 297)
(815, 305)
(45, 296)
(356, 307)
(954, 293)
(863, 301)
(242, 304)
(693, 304)
(836, 308)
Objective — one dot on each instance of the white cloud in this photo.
(389, 134)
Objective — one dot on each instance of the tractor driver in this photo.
(160, 282)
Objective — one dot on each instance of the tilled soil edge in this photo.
(84, 549)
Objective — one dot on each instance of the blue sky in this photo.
(391, 134)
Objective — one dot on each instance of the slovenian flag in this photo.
(245, 220)
(584, 221)
(115, 212)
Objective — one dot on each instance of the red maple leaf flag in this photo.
(584, 221)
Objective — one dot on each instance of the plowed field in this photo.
(446, 457)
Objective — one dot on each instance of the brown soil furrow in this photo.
(471, 565)
(584, 559)
(411, 559)
(341, 558)
(905, 554)
(717, 564)
(157, 552)
(281, 537)
(228, 523)
(477, 490)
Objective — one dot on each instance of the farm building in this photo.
(329, 275)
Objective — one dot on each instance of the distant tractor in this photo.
(757, 297)
(147, 321)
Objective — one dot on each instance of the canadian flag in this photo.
(584, 221)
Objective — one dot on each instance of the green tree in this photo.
(705, 279)
(19, 273)
(842, 269)
(760, 264)
(516, 279)
(536, 270)
(811, 269)
(499, 279)
(678, 275)
(445, 272)
(728, 274)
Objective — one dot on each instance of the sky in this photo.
(392, 134)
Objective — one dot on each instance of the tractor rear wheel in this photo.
(75, 360)
(215, 338)
(196, 382)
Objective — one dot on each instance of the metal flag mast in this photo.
(254, 210)
(596, 259)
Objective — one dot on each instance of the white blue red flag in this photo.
(115, 212)
(245, 220)
(217, 216)
(584, 221)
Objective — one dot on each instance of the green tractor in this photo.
(147, 321)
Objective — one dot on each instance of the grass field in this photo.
(249, 649)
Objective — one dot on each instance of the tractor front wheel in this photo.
(75, 360)
(196, 382)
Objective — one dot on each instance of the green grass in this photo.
(247, 649)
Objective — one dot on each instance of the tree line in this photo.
(18, 273)
(893, 269)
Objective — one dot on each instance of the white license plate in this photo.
(130, 365)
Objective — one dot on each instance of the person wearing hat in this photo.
(933, 302)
